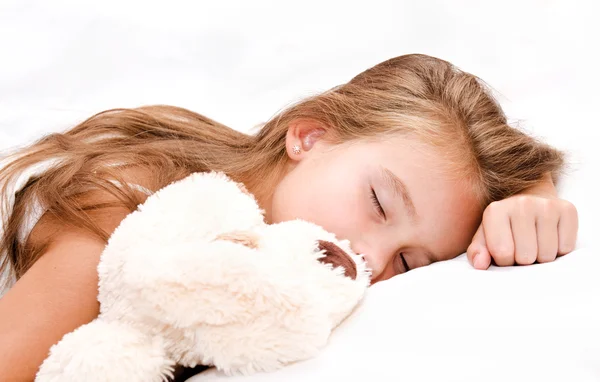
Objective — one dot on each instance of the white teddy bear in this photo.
(196, 277)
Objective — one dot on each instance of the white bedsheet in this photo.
(239, 62)
(448, 322)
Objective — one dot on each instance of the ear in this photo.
(302, 134)
(336, 256)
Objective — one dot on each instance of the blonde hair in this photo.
(412, 94)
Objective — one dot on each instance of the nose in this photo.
(379, 260)
(379, 254)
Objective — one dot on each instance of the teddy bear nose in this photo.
(337, 257)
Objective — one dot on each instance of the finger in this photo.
(568, 225)
(498, 234)
(522, 223)
(477, 252)
(547, 238)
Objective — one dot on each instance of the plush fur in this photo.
(195, 276)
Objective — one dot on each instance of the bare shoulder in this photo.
(58, 293)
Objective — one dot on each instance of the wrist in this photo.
(545, 188)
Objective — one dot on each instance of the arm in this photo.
(532, 226)
(55, 296)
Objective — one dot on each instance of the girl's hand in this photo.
(523, 229)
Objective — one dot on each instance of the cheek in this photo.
(334, 213)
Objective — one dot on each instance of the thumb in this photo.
(477, 253)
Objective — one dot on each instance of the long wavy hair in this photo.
(412, 94)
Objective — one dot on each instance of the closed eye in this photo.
(377, 204)
(404, 263)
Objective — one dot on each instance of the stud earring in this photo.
(296, 149)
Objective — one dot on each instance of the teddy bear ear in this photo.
(337, 257)
(246, 238)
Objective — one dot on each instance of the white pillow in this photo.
(449, 322)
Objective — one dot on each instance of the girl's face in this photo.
(394, 200)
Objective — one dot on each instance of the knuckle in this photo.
(522, 199)
(569, 208)
(523, 204)
(548, 207)
(495, 204)
(547, 203)
(492, 209)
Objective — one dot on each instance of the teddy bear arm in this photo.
(106, 351)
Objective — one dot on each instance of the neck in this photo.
(262, 186)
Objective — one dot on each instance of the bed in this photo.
(240, 62)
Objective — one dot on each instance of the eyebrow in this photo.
(400, 189)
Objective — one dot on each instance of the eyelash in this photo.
(377, 204)
(404, 263)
